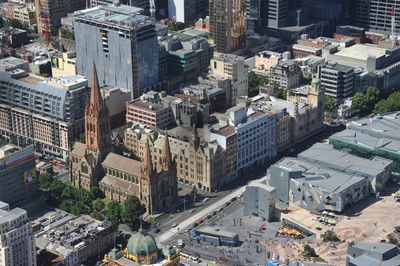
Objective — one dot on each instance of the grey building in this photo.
(259, 200)
(18, 243)
(18, 177)
(121, 42)
(257, 16)
(12, 63)
(367, 253)
(277, 13)
(376, 14)
(337, 80)
(286, 73)
(145, 4)
(322, 178)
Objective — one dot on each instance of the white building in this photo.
(17, 243)
(256, 136)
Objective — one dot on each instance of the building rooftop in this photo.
(231, 58)
(226, 131)
(122, 16)
(380, 248)
(361, 51)
(148, 106)
(306, 48)
(11, 63)
(122, 163)
(379, 132)
(325, 155)
(211, 230)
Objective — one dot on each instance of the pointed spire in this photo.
(95, 95)
(166, 154)
(147, 165)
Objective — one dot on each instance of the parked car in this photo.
(174, 225)
(223, 259)
(156, 230)
(206, 199)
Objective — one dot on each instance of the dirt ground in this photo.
(368, 220)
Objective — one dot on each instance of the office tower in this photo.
(17, 245)
(145, 4)
(257, 15)
(123, 44)
(228, 24)
(277, 13)
(50, 12)
(377, 14)
(183, 11)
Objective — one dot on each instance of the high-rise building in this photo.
(337, 80)
(232, 67)
(257, 15)
(277, 13)
(182, 10)
(377, 14)
(145, 4)
(17, 245)
(123, 44)
(50, 12)
(228, 24)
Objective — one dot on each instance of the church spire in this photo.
(97, 120)
(147, 165)
(166, 154)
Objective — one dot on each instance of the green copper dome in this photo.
(141, 244)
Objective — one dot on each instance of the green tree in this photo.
(97, 216)
(65, 33)
(57, 186)
(96, 193)
(98, 204)
(329, 103)
(359, 104)
(113, 212)
(69, 192)
(308, 251)
(392, 239)
(391, 104)
(79, 208)
(330, 235)
(131, 210)
(45, 181)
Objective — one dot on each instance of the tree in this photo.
(45, 181)
(329, 103)
(131, 210)
(98, 204)
(113, 212)
(359, 104)
(69, 192)
(392, 239)
(308, 251)
(57, 186)
(96, 193)
(255, 82)
(18, 24)
(391, 104)
(330, 235)
(65, 33)
(97, 216)
(78, 208)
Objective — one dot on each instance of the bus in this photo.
(187, 256)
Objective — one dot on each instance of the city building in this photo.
(277, 13)
(367, 253)
(17, 246)
(50, 12)
(11, 63)
(71, 240)
(183, 11)
(259, 200)
(322, 178)
(137, 3)
(368, 137)
(23, 12)
(377, 15)
(64, 64)
(206, 94)
(18, 174)
(232, 67)
(151, 113)
(96, 164)
(257, 16)
(300, 51)
(115, 100)
(298, 118)
(45, 112)
(198, 162)
(267, 59)
(228, 24)
(142, 249)
(218, 238)
(337, 80)
(107, 34)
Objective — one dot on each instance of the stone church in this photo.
(98, 163)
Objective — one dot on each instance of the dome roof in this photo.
(141, 244)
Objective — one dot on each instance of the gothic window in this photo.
(84, 168)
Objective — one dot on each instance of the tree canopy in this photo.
(255, 82)
(364, 103)
(65, 33)
(131, 210)
(329, 103)
(391, 104)
(18, 24)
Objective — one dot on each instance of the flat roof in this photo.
(375, 247)
(149, 106)
(216, 231)
(361, 51)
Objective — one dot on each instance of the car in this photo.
(156, 230)
(206, 199)
(180, 243)
(195, 225)
(199, 221)
(208, 216)
(233, 199)
(227, 204)
(174, 225)
(214, 213)
(192, 210)
(223, 259)
(220, 209)
(188, 230)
